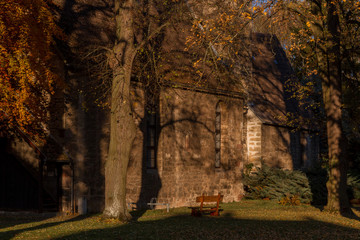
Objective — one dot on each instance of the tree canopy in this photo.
(27, 77)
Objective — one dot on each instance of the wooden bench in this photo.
(213, 210)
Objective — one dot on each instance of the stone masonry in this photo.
(186, 150)
(254, 138)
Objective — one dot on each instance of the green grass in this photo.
(244, 220)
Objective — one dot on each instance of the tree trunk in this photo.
(337, 196)
(123, 129)
(336, 185)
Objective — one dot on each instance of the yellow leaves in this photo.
(195, 64)
(308, 24)
(26, 76)
(310, 73)
(259, 10)
(246, 15)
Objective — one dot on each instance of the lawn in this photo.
(243, 220)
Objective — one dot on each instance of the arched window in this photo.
(218, 135)
(151, 139)
(152, 122)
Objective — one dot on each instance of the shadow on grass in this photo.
(8, 221)
(224, 227)
(351, 214)
(137, 214)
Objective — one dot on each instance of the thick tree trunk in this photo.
(336, 185)
(337, 196)
(123, 129)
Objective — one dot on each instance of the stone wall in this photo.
(254, 135)
(276, 145)
(289, 149)
(87, 142)
(186, 150)
(311, 149)
(18, 147)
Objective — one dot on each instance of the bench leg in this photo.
(216, 213)
(195, 213)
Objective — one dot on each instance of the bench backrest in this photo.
(204, 198)
(216, 198)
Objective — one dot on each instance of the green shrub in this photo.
(353, 182)
(283, 185)
(277, 184)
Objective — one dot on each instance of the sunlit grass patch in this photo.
(243, 220)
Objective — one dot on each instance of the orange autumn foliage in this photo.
(27, 78)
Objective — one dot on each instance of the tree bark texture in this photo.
(332, 90)
(122, 129)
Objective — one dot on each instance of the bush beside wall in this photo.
(277, 184)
